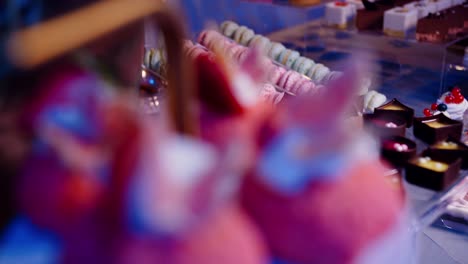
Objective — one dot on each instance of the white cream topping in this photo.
(445, 113)
(455, 111)
(372, 100)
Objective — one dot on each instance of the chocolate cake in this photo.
(433, 28)
(443, 26)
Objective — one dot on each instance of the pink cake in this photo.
(78, 181)
(318, 192)
(227, 236)
(327, 222)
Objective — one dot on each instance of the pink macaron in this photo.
(274, 72)
(291, 81)
(301, 86)
(270, 95)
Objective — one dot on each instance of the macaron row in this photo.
(276, 51)
(286, 79)
(267, 92)
(155, 59)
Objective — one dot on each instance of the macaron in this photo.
(196, 51)
(287, 57)
(305, 66)
(275, 50)
(238, 33)
(187, 45)
(269, 94)
(284, 78)
(147, 57)
(274, 73)
(298, 62)
(240, 53)
(320, 73)
(228, 28)
(317, 72)
(289, 80)
(261, 43)
(333, 75)
(246, 37)
(156, 59)
(300, 86)
(308, 88)
(208, 37)
(294, 82)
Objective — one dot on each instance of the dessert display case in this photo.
(304, 184)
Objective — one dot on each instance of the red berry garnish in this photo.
(434, 106)
(449, 99)
(459, 99)
(427, 112)
(456, 91)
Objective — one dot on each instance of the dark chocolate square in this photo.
(407, 112)
(375, 124)
(430, 179)
(432, 135)
(461, 152)
(395, 157)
